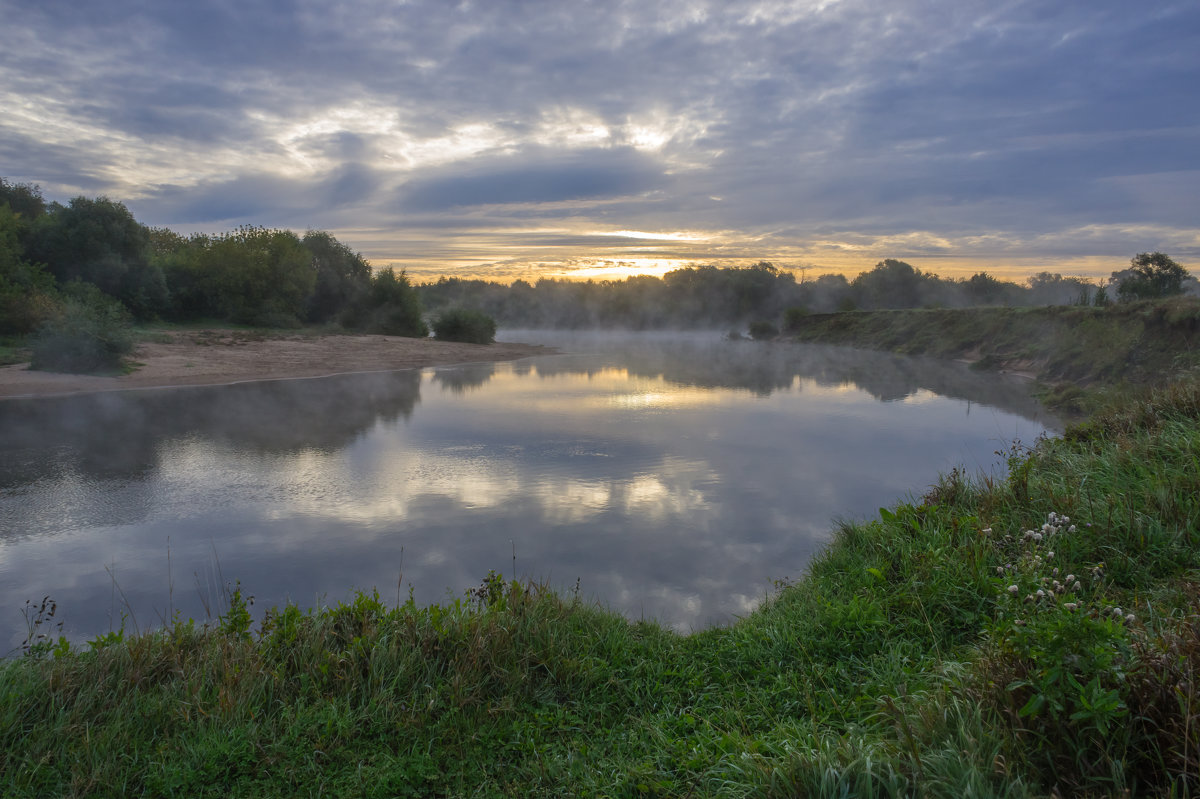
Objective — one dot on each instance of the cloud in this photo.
(969, 120)
(535, 178)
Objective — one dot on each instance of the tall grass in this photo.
(915, 658)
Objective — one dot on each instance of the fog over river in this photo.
(671, 477)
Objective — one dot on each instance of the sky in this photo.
(510, 139)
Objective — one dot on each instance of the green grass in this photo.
(1072, 350)
(915, 657)
(900, 665)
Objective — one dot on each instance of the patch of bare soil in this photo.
(215, 357)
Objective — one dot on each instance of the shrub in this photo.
(763, 331)
(460, 324)
(389, 306)
(793, 318)
(90, 333)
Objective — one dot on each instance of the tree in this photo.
(24, 199)
(99, 242)
(390, 306)
(461, 324)
(1150, 275)
(257, 276)
(27, 295)
(891, 284)
(342, 275)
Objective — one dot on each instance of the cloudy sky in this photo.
(511, 138)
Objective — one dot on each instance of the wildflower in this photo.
(1070, 579)
(1071, 606)
(1040, 593)
(1071, 529)
(1012, 589)
(1130, 618)
(1050, 555)
(986, 531)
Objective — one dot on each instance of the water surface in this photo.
(670, 477)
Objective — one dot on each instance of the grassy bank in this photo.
(1010, 638)
(1066, 347)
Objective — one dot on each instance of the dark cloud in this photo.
(535, 178)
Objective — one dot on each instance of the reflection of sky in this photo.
(662, 499)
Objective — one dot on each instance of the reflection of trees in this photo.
(119, 434)
(764, 368)
(461, 379)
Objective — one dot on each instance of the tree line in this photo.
(761, 294)
(93, 253)
(89, 262)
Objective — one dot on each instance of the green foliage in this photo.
(99, 242)
(27, 294)
(24, 199)
(1150, 275)
(463, 324)
(389, 306)
(901, 665)
(251, 276)
(762, 330)
(90, 332)
(343, 276)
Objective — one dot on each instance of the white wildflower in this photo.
(1072, 606)
(1012, 589)
(1130, 618)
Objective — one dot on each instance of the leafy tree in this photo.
(462, 324)
(983, 289)
(27, 294)
(23, 198)
(342, 276)
(252, 276)
(99, 242)
(390, 306)
(891, 284)
(1150, 275)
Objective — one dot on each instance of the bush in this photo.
(389, 305)
(460, 324)
(90, 333)
(763, 331)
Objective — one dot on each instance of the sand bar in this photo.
(217, 357)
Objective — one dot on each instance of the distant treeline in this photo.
(83, 257)
(708, 296)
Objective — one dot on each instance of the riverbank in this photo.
(1037, 635)
(221, 356)
(1068, 349)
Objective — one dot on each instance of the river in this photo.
(666, 476)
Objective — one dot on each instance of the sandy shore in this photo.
(216, 357)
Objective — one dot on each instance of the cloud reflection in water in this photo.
(674, 483)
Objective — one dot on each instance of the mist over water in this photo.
(674, 477)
